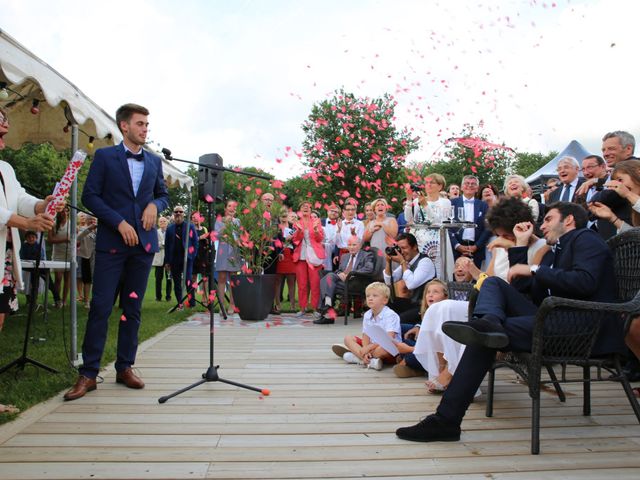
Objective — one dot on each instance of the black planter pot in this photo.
(253, 295)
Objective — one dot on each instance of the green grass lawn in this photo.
(28, 387)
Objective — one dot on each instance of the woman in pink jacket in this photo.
(308, 255)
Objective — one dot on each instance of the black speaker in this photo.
(210, 181)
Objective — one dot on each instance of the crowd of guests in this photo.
(508, 242)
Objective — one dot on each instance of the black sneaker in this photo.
(477, 331)
(324, 321)
(430, 429)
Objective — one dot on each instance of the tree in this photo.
(39, 166)
(354, 149)
(527, 163)
(471, 153)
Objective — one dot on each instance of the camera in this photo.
(393, 250)
(416, 187)
(600, 184)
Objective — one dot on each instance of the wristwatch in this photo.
(534, 269)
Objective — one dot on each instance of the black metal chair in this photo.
(357, 282)
(461, 291)
(565, 331)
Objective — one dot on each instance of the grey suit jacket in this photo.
(365, 263)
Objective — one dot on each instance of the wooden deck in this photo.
(324, 419)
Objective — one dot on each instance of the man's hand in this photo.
(518, 271)
(342, 276)
(40, 223)
(584, 188)
(618, 187)
(128, 233)
(149, 217)
(336, 260)
(41, 206)
(500, 242)
(523, 232)
(600, 210)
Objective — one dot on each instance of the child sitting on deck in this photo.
(363, 350)
(409, 366)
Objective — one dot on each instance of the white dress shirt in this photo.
(136, 169)
(345, 232)
(423, 272)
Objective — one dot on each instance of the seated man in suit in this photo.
(580, 266)
(357, 260)
(470, 242)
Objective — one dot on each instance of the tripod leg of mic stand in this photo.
(263, 391)
(185, 389)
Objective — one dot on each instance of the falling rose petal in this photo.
(191, 249)
(267, 215)
(123, 318)
(249, 279)
(236, 309)
(133, 295)
(267, 325)
(208, 198)
(331, 313)
(112, 251)
(147, 247)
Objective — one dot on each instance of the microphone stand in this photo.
(24, 359)
(211, 375)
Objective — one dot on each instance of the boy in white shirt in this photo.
(364, 350)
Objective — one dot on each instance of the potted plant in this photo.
(255, 236)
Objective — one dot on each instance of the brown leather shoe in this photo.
(129, 378)
(80, 389)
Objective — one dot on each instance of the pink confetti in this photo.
(147, 247)
(208, 198)
(123, 318)
(133, 295)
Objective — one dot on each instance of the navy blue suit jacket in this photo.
(580, 268)
(482, 233)
(108, 193)
(170, 254)
(555, 195)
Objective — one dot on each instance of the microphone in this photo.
(167, 153)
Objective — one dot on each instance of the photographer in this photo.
(408, 280)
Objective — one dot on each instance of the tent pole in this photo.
(72, 291)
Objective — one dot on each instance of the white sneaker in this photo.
(316, 315)
(300, 314)
(375, 363)
(351, 357)
(339, 349)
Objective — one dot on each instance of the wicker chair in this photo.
(356, 282)
(565, 331)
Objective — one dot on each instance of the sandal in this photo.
(9, 409)
(435, 387)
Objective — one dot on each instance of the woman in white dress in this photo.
(430, 207)
(432, 343)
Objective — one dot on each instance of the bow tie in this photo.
(137, 156)
(333, 222)
(469, 201)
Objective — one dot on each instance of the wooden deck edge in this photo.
(35, 413)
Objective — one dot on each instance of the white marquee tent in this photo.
(574, 149)
(67, 118)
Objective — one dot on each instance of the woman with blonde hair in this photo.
(515, 186)
(381, 232)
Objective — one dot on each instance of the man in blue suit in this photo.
(174, 250)
(125, 189)
(470, 242)
(579, 266)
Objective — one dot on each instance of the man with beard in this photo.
(580, 267)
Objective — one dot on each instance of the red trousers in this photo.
(308, 277)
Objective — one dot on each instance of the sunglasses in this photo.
(178, 212)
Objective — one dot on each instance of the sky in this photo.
(239, 78)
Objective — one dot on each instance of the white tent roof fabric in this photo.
(574, 149)
(30, 77)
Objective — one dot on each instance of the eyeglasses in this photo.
(178, 212)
